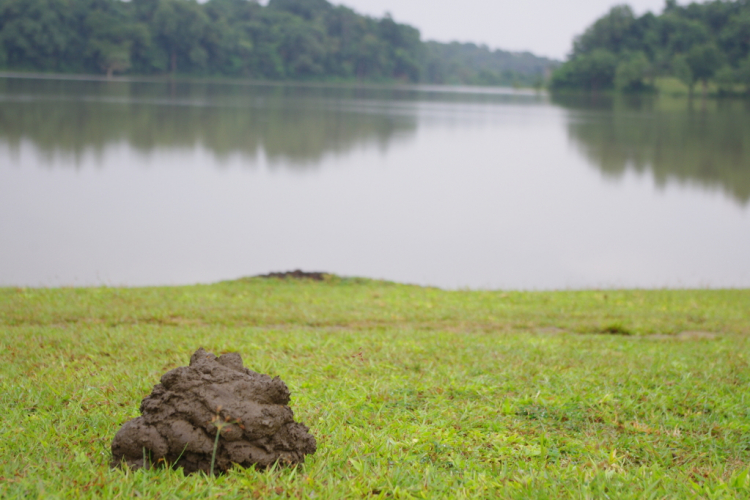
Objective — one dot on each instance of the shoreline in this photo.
(426, 87)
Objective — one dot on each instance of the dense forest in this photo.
(287, 39)
(697, 43)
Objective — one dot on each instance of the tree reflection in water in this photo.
(294, 126)
(702, 142)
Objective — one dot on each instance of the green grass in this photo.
(411, 392)
(671, 86)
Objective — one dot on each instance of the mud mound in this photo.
(297, 275)
(181, 417)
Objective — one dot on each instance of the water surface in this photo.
(146, 183)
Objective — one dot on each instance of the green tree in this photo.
(742, 75)
(404, 46)
(229, 38)
(734, 38)
(632, 71)
(611, 32)
(112, 57)
(681, 69)
(111, 34)
(698, 43)
(303, 48)
(679, 34)
(40, 35)
(726, 79)
(179, 25)
(285, 39)
(704, 60)
(592, 71)
(306, 9)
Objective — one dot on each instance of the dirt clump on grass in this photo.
(297, 275)
(181, 417)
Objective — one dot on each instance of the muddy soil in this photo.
(180, 418)
(298, 275)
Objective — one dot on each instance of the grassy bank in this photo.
(669, 86)
(411, 392)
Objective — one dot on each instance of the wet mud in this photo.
(180, 419)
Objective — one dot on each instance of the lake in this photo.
(155, 182)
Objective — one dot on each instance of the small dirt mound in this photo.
(616, 329)
(180, 419)
(297, 275)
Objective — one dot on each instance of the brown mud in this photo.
(180, 418)
(297, 275)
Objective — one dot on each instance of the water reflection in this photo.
(291, 126)
(705, 143)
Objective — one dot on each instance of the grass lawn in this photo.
(411, 392)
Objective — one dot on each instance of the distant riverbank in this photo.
(699, 48)
(283, 40)
(473, 89)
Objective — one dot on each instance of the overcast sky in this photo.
(545, 27)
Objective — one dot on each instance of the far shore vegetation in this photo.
(411, 392)
(700, 47)
(696, 48)
(297, 40)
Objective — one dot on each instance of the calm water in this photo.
(124, 183)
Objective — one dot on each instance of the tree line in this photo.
(287, 39)
(696, 43)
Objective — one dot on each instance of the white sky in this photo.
(545, 27)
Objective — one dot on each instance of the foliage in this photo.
(591, 71)
(287, 39)
(697, 43)
(477, 64)
(411, 392)
(631, 72)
